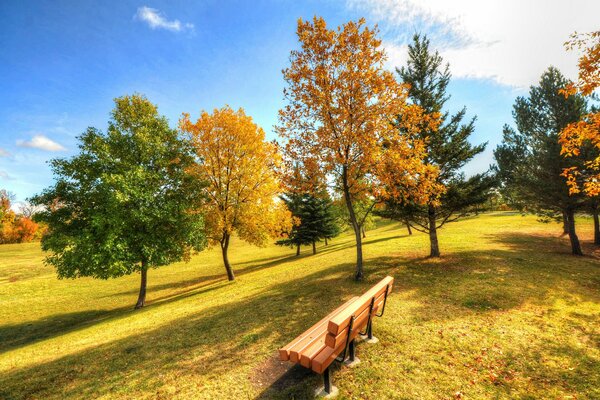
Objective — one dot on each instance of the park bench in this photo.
(333, 337)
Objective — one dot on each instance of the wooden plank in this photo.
(342, 319)
(310, 352)
(359, 323)
(328, 354)
(325, 358)
(310, 335)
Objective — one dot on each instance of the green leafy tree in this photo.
(317, 220)
(125, 203)
(448, 148)
(529, 163)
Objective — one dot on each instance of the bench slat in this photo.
(359, 323)
(342, 319)
(310, 335)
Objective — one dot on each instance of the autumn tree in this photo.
(239, 166)
(15, 227)
(126, 202)
(7, 216)
(448, 148)
(341, 119)
(581, 139)
(529, 162)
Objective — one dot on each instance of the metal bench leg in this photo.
(369, 338)
(327, 381)
(328, 391)
(352, 359)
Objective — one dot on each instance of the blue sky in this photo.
(63, 62)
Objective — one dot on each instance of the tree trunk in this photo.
(596, 226)
(364, 235)
(408, 227)
(565, 223)
(575, 245)
(224, 247)
(141, 301)
(314, 248)
(433, 239)
(297, 250)
(355, 226)
(326, 243)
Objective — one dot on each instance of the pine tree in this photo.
(529, 163)
(448, 148)
(317, 220)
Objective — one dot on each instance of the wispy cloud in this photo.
(156, 20)
(4, 175)
(41, 142)
(4, 153)
(508, 41)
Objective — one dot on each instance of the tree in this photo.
(7, 215)
(341, 120)
(581, 139)
(239, 167)
(447, 148)
(125, 203)
(317, 220)
(529, 161)
(14, 228)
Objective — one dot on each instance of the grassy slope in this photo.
(506, 313)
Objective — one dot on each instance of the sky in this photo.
(63, 62)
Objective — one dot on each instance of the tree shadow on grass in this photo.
(18, 335)
(202, 346)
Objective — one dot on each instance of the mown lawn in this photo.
(507, 312)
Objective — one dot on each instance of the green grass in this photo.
(506, 313)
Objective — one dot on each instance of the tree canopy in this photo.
(580, 140)
(239, 167)
(125, 203)
(316, 220)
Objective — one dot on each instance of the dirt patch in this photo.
(274, 378)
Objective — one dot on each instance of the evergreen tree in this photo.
(529, 163)
(317, 220)
(126, 202)
(448, 148)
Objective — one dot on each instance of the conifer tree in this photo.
(316, 220)
(529, 161)
(448, 148)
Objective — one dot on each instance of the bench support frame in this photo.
(368, 333)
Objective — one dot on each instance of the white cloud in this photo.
(41, 142)
(4, 153)
(509, 41)
(4, 175)
(156, 20)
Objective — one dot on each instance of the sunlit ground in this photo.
(507, 312)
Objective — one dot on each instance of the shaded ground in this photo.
(506, 313)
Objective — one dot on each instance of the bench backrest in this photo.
(360, 308)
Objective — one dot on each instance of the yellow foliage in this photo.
(341, 120)
(239, 167)
(586, 131)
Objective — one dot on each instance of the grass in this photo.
(506, 313)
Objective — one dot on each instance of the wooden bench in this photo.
(333, 337)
